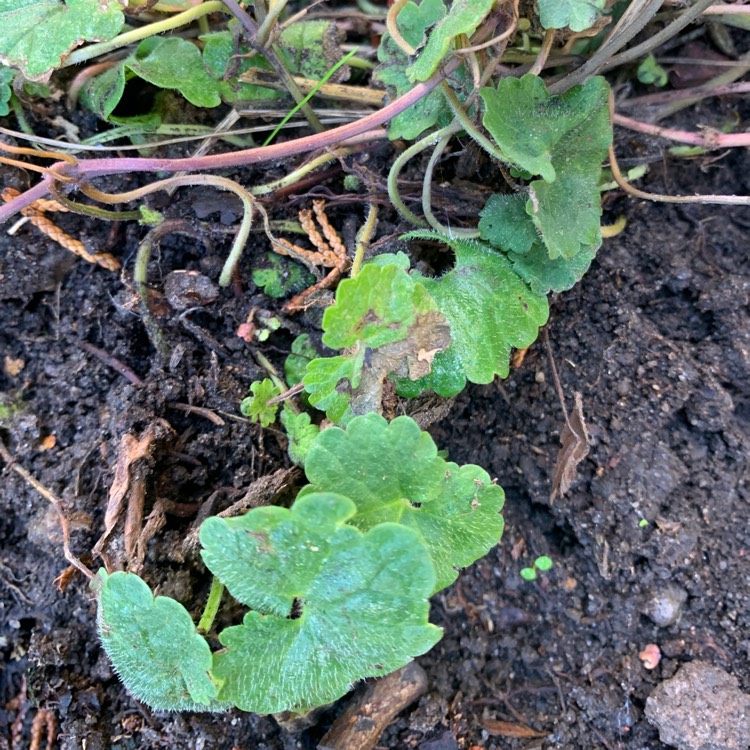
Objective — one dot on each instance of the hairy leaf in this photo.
(37, 35)
(393, 473)
(490, 310)
(154, 646)
(544, 274)
(363, 602)
(562, 138)
(504, 223)
(256, 407)
(387, 323)
(578, 15)
(301, 433)
(463, 17)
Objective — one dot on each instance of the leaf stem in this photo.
(427, 192)
(199, 179)
(136, 35)
(363, 238)
(212, 606)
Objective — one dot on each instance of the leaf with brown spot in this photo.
(574, 440)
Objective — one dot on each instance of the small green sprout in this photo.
(643, 523)
(541, 564)
(256, 407)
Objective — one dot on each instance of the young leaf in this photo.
(301, 433)
(6, 78)
(363, 602)
(562, 138)
(578, 15)
(463, 17)
(256, 407)
(389, 324)
(154, 646)
(37, 35)
(490, 310)
(393, 473)
(303, 352)
(282, 278)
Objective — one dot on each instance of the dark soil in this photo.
(650, 546)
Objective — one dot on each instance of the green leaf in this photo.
(37, 35)
(154, 646)
(393, 473)
(282, 278)
(301, 433)
(544, 274)
(528, 574)
(329, 382)
(311, 48)
(433, 109)
(490, 310)
(363, 601)
(256, 407)
(464, 17)
(562, 138)
(220, 58)
(303, 352)
(578, 15)
(389, 324)
(650, 72)
(175, 63)
(168, 63)
(504, 223)
(6, 78)
(543, 563)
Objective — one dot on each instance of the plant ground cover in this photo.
(655, 344)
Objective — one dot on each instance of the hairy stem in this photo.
(212, 605)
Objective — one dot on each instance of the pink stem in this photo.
(110, 166)
(709, 139)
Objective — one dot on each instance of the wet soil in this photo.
(650, 546)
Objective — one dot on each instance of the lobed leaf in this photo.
(301, 433)
(562, 138)
(490, 310)
(578, 15)
(302, 353)
(37, 35)
(363, 600)
(154, 646)
(282, 278)
(544, 274)
(387, 323)
(393, 473)
(256, 407)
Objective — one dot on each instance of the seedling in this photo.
(336, 586)
(542, 564)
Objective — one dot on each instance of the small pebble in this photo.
(701, 708)
(184, 289)
(664, 605)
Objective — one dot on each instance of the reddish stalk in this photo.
(708, 139)
(89, 168)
